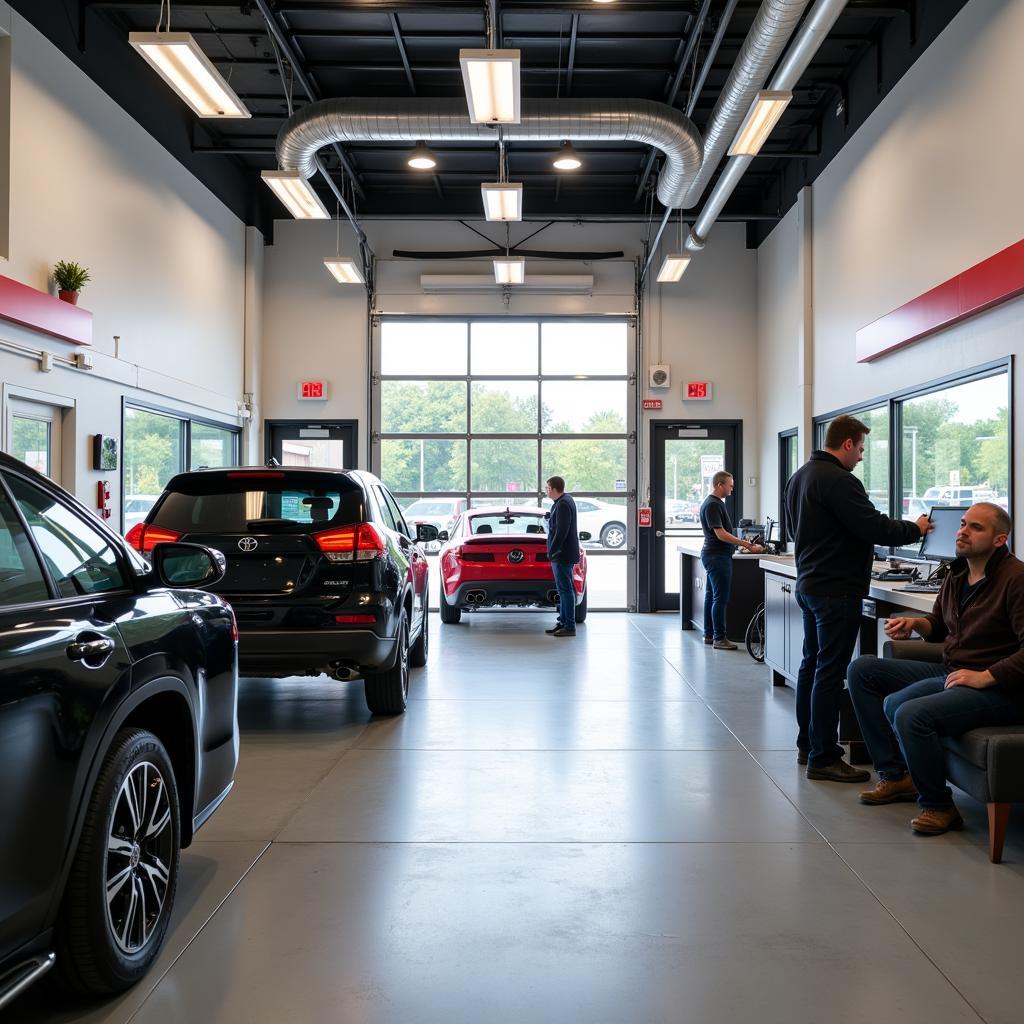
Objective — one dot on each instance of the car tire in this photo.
(613, 535)
(450, 613)
(581, 608)
(419, 650)
(106, 945)
(387, 692)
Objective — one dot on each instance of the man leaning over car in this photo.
(906, 707)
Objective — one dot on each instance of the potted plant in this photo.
(69, 278)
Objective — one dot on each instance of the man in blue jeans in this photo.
(716, 556)
(906, 707)
(834, 528)
(563, 553)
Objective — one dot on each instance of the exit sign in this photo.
(312, 390)
(652, 403)
(697, 391)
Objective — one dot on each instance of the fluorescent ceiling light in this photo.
(297, 194)
(491, 79)
(503, 200)
(178, 60)
(762, 117)
(567, 159)
(673, 267)
(510, 270)
(421, 158)
(344, 269)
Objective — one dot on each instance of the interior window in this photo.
(78, 557)
(21, 579)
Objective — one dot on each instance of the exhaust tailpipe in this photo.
(553, 596)
(343, 673)
(476, 597)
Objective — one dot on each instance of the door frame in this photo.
(653, 572)
(269, 426)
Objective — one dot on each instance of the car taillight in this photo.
(357, 619)
(360, 543)
(144, 538)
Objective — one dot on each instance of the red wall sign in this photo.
(697, 390)
(644, 517)
(652, 403)
(986, 284)
(312, 390)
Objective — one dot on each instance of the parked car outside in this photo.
(118, 735)
(957, 495)
(323, 572)
(677, 511)
(605, 522)
(136, 508)
(497, 557)
(438, 512)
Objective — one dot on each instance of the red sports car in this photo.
(498, 557)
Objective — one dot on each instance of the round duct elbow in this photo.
(655, 124)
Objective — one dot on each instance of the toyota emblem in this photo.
(248, 544)
(516, 555)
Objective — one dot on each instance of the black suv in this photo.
(118, 735)
(323, 573)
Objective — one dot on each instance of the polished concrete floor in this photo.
(605, 829)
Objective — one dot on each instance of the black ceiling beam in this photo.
(420, 6)
(401, 51)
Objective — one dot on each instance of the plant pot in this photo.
(71, 297)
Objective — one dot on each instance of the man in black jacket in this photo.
(834, 527)
(563, 553)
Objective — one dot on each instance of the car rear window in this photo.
(502, 525)
(243, 503)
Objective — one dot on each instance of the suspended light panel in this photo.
(763, 116)
(510, 270)
(296, 194)
(178, 60)
(503, 200)
(491, 80)
(673, 267)
(344, 270)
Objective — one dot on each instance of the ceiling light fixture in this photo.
(673, 267)
(510, 270)
(764, 114)
(178, 60)
(503, 200)
(491, 80)
(421, 158)
(344, 269)
(296, 194)
(567, 159)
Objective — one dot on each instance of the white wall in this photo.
(927, 187)
(167, 259)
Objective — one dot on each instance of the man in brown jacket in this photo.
(905, 707)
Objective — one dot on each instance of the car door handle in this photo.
(86, 650)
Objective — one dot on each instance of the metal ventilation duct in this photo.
(436, 120)
(773, 25)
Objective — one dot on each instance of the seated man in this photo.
(904, 707)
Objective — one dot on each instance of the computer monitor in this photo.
(939, 545)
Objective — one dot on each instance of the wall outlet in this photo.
(751, 481)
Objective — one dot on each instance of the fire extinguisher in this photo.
(103, 499)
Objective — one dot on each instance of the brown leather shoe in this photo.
(838, 771)
(931, 822)
(890, 791)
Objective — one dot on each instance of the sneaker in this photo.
(801, 757)
(709, 640)
(562, 631)
(890, 791)
(554, 629)
(724, 645)
(838, 771)
(932, 822)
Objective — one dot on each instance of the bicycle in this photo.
(755, 635)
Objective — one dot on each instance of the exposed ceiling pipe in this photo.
(806, 44)
(408, 120)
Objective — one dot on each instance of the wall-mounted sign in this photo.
(697, 391)
(652, 403)
(644, 517)
(312, 390)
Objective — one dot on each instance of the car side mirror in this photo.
(584, 535)
(187, 565)
(443, 535)
(426, 532)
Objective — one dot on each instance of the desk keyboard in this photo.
(920, 588)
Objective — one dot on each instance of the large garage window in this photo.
(157, 445)
(478, 412)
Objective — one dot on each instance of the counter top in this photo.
(692, 546)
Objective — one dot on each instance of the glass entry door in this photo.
(34, 435)
(684, 459)
(330, 444)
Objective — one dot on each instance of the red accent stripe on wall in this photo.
(995, 280)
(34, 309)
